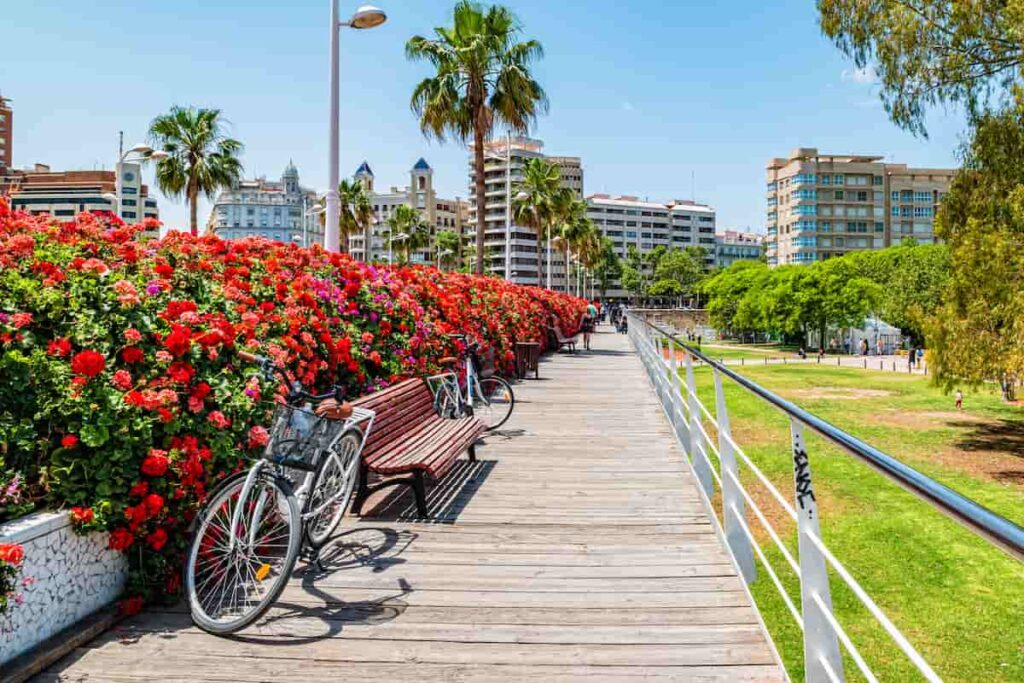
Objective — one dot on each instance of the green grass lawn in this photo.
(750, 353)
(954, 596)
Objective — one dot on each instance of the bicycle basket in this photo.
(484, 361)
(298, 436)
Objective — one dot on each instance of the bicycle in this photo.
(476, 391)
(249, 534)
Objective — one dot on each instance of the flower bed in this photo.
(121, 395)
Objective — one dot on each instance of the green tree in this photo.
(412, 232)
(978, 332)
(201, 158)
(355, 216)
(448, 240)
(481, 80)
(685, 267)
(606, 264)
(540, 202)
(729, 306)
(930, 52)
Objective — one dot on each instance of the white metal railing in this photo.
(822, 632)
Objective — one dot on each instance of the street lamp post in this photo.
(441, 253)
(400, 237)
(145, 153)
(366, 16)
(314, 210)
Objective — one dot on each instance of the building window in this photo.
(879, 227)
(839, 194)
(923, 197)
(129, 202)
(895, 211)
(922, 212)
(877, 180)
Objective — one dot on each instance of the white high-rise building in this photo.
(503, 174)
(275, 210)
(630, 221)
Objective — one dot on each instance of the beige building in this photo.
(276, 210)
(503, 174)
(439, 213)
(630, 221)
(732, 246)
(825, 205)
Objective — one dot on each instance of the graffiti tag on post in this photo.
(804, 489)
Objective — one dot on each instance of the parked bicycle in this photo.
(249, 535)
(475, 390)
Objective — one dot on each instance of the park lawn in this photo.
(758, 353)
(956, 598)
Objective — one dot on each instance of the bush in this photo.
(120, 389)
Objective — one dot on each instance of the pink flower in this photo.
(258, 436)
(218, 420)
(122, 380)
(132, 335)
(20, 320)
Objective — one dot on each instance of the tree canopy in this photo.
(932, 52)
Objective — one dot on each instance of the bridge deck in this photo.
(576, 548)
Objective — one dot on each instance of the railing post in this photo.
(821, 645)
(677, 416)
(733, 508)
(701, 465)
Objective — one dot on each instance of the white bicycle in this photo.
(249, 535)
(476, 390)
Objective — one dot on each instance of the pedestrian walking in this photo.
(911, 357)
(587, 324)
(959, 400)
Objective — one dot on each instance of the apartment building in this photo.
(826, 205)
(64, 194)
(503, 174)
(6, 135)
(439, 213)
(629, 221)
(733, 245)
(276, 210)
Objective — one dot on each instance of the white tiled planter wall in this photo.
(73, 576)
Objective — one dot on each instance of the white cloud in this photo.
(865, 76)
(627, 106)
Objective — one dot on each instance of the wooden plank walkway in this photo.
(576, 548)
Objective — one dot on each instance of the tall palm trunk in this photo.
(481, 199)
(540, 256)
(565, 279)
(193, 209)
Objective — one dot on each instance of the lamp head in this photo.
(159, 155)
(522, 196)
(367, 16)
(141, 148)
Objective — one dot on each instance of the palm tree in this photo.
(539, 201)
(482, 79)
(408, 221)
(355, 215)
(574, 230)
(201, 158)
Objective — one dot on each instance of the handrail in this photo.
(998, 530)
(822, 631)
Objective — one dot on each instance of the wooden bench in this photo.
(562, 340)
(410, 438)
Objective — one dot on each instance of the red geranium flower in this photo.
(139, 490)
(12, 553)
(69, 441)
(120, 539)
(178, 341)
(157, 540)
(130, 606)
(88, 363)
(154, 504)
(132, 354)
(81, 515)
(155, 464)
(59, 347)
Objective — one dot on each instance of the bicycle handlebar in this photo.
(295, 390)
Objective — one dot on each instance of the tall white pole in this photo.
(118, 169)
(331, 236)
(549, 260)
(508, 206)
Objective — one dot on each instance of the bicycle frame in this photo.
(359, 416)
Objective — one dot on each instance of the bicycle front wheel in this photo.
(332, 489)
(235, 571)
(493, 402)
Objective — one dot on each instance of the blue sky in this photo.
(647, 93)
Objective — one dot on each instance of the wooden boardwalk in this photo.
(576, 548)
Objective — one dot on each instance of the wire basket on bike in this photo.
(298, 436)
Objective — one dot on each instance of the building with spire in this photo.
(439, 213)
(277, 210)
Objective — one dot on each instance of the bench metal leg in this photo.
(420, 492)
(363, 491)
(472, 453)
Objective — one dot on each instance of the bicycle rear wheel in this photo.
(493, 402)
(233, 575)
(332, 489)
